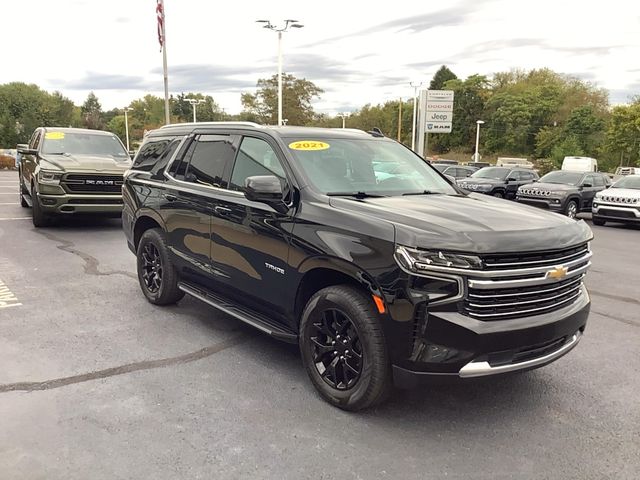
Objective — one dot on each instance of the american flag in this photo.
(160, 15)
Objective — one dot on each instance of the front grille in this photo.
(614, 199)
(534, 259)
(109, 184)
(607, 212)
(524, 284)
(534, 192)
(95, 201)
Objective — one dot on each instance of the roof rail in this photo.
(204, 124)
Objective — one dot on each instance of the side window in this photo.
(255, 157)
(590, 179)
(515, 174)
(527, 176)
(210, 156)
(179, 166)
(35, 139)
(598, 181)
(150, 153)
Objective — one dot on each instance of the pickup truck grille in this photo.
(526, 284)
(92, 183)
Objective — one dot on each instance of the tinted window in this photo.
(598, 181)
(515, 174)
(179, 166)
(562, 177)
(155, 154)
(211, 155)
(255, 157)
(590, 180)
(497, 173)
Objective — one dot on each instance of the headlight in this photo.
(436, 260)
(49, 178)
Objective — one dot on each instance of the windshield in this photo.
(565, 178)
(365, 166)
(75, 143)
(632, 181)
(497, 173)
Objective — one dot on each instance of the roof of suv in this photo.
(285, 132)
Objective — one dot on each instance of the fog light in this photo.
(47, 201)
(595, 204)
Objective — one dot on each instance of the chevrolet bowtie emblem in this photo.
(558, 273)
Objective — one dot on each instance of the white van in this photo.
(513, 162)
(580, 164)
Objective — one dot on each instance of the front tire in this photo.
(598, 221)
(571, 210)
(498, 194)
(39, 217)
(343, 348)
(157, 275)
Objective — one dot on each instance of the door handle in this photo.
(169, 197)
(222, 210)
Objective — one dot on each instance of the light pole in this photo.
(194, 103)
(415, 112)
(287, 24)
(343, 115)
(126, 125)
(476, 156)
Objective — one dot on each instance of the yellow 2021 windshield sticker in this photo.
(308, 145)
(54, 135)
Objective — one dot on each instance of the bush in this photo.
(7, 161)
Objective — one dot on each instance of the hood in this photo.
(89, 163)
(470, 223)
(619, 194)
(549, 187)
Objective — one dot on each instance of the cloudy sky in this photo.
(358, 52)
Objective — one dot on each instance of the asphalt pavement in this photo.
(96, 383)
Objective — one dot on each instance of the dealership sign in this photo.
(439, 111)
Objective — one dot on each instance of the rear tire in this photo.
(157, 275)
(39, 217)
(343, 348)
(598, 221)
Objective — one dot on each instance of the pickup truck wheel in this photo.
(571, 210)
(343, 348)
(498, 194)
(38, 216)
(157, 275)
(598, 221)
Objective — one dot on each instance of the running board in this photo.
(27, 198)
(250, 317)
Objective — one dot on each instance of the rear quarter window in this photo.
(155, 154)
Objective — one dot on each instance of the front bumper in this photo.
(73, 203)
(554, 204)
(456, 345)
(615, 212)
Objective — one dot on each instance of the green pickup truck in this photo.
(66, 171)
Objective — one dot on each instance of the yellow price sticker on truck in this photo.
(54, 135)
(308, 145)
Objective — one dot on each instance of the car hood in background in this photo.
(89, 163)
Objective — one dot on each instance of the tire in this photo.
(571, 209)
(23, 192)
(38, 216)
(157, 275)
(598, 221)
(498, 194)
(345, 314)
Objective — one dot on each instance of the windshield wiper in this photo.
(355, 194)
(423, 192)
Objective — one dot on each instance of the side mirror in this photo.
(511, 179)
(27, 151)
(586, 185)
(265, 189)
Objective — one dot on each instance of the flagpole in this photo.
(167, 118)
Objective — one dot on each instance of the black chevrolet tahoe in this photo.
(564, 192)
(352, 246)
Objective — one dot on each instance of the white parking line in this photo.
(15, 218)
(14, 203)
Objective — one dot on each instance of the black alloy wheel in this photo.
(151, 268)
(337, 351)
(572, 209)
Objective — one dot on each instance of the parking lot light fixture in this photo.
(194, 103)
(476, 156)
(289, 23)
(343, 115)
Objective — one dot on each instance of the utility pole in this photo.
(415, 86)
(126, 126)
(400, 119)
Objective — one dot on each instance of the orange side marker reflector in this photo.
(379, 303)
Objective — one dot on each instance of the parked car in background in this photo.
(564, 192)
(513, 162)
(443, 161)
(399, 280)
(66, 171)
(620, 203)
(455, 171)
(580, 164)
(501, 182)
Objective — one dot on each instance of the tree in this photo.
(297, 95)
(92, 112)
(623, 134)
(441, 77)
